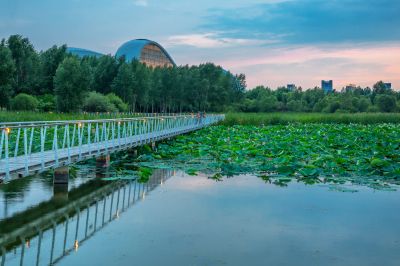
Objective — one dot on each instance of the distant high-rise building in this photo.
(388, 86)
(350, 87)
(327, 85)
(291, 87)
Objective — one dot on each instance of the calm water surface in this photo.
(192, 220)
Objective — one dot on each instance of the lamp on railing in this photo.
(7, 130)
(76, 245)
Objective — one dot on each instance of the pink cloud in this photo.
(306, 66)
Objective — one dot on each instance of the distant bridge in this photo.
(32, 147)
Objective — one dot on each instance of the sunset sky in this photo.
(274, 42)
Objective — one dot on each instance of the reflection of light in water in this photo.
(76, 245)
(28, 243)
(117, 214)
(143, 195)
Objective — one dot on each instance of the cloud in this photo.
(212, 40)
(307, 65)
(312, 21)
(141, 2)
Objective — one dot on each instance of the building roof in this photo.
(132, 49)
(83, 52)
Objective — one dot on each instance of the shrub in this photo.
(24, 102)
(97, 102)
(47, 103)
(117, 102)
(386, 103)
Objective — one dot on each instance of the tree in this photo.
(24, 102)
(386, 103)
(97, 102)
(71, 83)
(7, 69)
(51, 59)
(104, 74)
(47, 103)
(124, 84)
(117, 102)
(27, 63)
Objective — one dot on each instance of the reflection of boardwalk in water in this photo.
(48, 239)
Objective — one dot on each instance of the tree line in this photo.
(350, 100)
(54, 80)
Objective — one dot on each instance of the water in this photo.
(192, 220)
(28, 192)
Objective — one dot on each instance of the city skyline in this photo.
(273, 42)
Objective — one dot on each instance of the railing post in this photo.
(7, 155)
(55, 145)
(17, 143)
(26, 151)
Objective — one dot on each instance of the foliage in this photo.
(310, 153)
(96, 102)
(117, 102)
(71, 83)
(27, 64)
(7, 69)
(263, 99)
(386, 103)
(205, 87)
(47, 103)
(288, 118)
(10, 116)
(24, 102)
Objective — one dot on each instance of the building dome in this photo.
(83, 52)
(146, 51)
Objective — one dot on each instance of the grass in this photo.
(231, 118)
(288, 118)
(7, 116)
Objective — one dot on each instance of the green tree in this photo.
(124, 85)
(104, 74)
(27, 75)
(47, 103)
(7, 69)
(386, 103)
(71, 83)
(117, 102)
(51, 59)
(24, 102)
(97, 102)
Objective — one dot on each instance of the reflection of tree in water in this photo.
(14, 190)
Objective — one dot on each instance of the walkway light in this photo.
(7, 130)
(79, 124)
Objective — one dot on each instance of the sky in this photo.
(273, 42)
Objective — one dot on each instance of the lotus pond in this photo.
(232, 195)
(311, 153)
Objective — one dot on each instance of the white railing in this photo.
(29, 147)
